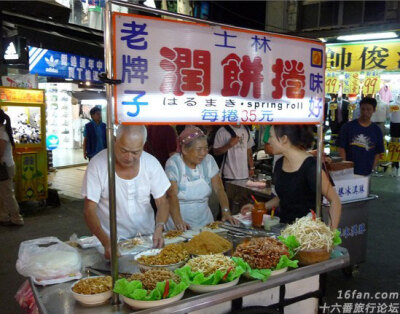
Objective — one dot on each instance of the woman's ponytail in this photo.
(6, 118)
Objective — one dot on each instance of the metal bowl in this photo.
(144, 267)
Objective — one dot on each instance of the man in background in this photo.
(94, 134)
(235, 143)
(361, 140)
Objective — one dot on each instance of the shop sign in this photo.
(374, 55)
(20, 80)
(180, 72)
(16, 95)
(15, 51)
(46, 62)
(52, 142)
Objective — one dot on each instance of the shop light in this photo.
(99, 101)
(69, 79)
(150, 4)
(368, 36)
(322, 39)
(87, 83)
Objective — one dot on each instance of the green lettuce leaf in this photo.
(285, 261)
(134, 289)
(198, 278)
(336, 238)
(291, 243)
(263, 274)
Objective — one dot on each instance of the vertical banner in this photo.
(332, 82)
(354, 83)
(183, 72)
(372, 82)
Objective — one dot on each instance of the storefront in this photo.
(66, 117)
(358, 69)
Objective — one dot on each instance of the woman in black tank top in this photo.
(295, 176)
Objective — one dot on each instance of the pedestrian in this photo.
(235, 142)
(94, 135)
(161, 142)
(9, 208)
(361, 140)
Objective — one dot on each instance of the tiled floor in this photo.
(68, 181)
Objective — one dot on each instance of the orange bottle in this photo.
(258, 213)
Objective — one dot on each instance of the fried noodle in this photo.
(93, 285)
(209, 264)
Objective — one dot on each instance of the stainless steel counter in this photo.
(58, 298)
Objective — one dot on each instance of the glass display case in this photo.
(26, 108)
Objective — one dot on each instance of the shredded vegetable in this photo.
(311, 234)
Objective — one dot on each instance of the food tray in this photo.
(210, 288)
(140, 304)
(144, 268)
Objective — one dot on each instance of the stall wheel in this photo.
(351, 271)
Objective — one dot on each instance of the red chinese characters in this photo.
(239, 74)
(289, 77)
(186, 71)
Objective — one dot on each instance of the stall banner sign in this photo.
(23, 96)
(46, 62)
(373, 55)
(352, 188)
(353, 230)
(181, 72)
(332, 82)
(372, 82)
(20, 80)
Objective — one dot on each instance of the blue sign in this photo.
(52, 142)
(46, 62)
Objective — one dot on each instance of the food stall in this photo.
(26, 108)
(293, 290)
(188, 96)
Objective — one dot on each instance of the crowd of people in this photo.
(180, 171)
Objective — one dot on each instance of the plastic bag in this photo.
(85, 242)
(48, 259)
(26, 299)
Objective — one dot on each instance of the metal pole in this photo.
(320, 148)
(110, 147)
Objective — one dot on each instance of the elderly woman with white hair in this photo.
(193, 174)
(137, 175)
